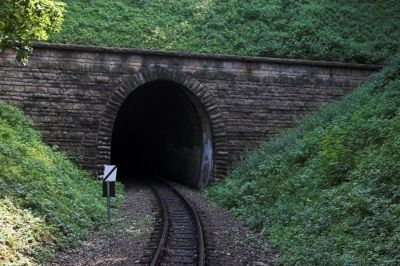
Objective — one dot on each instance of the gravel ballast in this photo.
(124, 243)
(228, 242)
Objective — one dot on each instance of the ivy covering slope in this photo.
(328, 192)
(45, 201)
(339, 30)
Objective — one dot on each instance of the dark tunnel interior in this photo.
(158, 132)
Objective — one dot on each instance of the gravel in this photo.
(228, 242)
(126, 241)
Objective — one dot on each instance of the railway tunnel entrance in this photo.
(162, 130)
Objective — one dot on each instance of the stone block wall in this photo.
(65, 90)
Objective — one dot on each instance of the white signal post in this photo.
(110, 175)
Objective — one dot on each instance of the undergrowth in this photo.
(348, 31)
(46, 202)
(328, 192)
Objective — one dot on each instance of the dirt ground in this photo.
(228, 242)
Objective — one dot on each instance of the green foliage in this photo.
(350, 31)
(21, 235)
(328, 192)
(24, 21)
(41, 193)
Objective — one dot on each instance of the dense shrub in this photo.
(351, 31)
(45, 200)
(328, 192)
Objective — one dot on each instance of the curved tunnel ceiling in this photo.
(162, 130)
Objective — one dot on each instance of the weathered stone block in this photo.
(73, 94)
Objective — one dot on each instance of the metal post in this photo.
(108, 202)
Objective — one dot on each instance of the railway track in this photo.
(181, 236)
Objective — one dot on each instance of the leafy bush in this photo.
(25, 21)
(328, 192)
(46, 201)
(350, 31)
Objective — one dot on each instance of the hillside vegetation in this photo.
(328, 192)
(46, 202)
(325, 193)
(340, 30)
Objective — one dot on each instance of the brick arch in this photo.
(194, 88)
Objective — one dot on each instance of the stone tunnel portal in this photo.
(162, 130)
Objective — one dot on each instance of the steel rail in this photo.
(164, 235)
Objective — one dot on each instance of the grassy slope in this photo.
(328, 192)
(45, 200)
(351, 30)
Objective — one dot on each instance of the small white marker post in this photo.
(110, 175)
